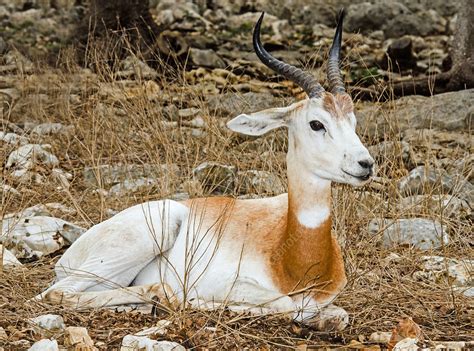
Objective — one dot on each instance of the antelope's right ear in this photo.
(259, 123)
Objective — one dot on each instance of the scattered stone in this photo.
(206, 58)
(13, 138)
(392, 149)
(22, 18)
(215, 177)
(259, 182)
(420, 233)
(407, 344)
(159, 329)
(8, 259)
(37, 236)
(232, 104)
(108, 175)
(45, 345)
(3, 334)
(138, 343)
(455, 272)
(331, 319)
(7, 190)
(422, 180)
(447, 205)
(79, 338)
(380, 337)
(134, 67)
(188, 113)
(52, 129)
(133, 185)
(49, 322)
(26, 156)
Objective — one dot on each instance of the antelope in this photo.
(267, 255)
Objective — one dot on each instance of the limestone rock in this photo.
(133, 185)
(206, 58)
(232, 104)
(259, 182)
(49, 322)
(52, 129)
(45, 345)
(215, 177)
(134, 67)
(38, 236)
(447, 205)
(13, 138)
(138, 343)
(421, 233)
(26, 156)
(8, 259)
(78, 338)
(455, 271)
(109, 175)
(422, 179)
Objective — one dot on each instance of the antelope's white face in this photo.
(321, 137)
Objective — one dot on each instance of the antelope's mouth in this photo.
(362, 177)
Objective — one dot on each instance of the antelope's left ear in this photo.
(259, 123)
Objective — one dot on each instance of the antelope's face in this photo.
(322, 138)
(322, 141)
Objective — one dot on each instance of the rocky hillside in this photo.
(83, 139)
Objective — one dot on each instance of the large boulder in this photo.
(420, 233)
(448, 111)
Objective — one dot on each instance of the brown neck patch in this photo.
(338, 105)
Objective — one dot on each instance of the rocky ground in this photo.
(78, 144)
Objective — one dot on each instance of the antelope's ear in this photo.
(259, 123)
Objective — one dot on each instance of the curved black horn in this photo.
(336, 83)
(302, 79)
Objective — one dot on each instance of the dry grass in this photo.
(123, 122)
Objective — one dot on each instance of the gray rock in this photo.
(456, 272)
(133, 185)
(232, 104)
(423, 180)
(420, 233)
(391, 149)
(21, 18)
(206, 58)
(448, 111)
(447, 205)
(136, 343)
(45, 345)
(134, 67)
(13, 138)
(8, 259)
(443, 7)
(367, 17)
(26, 156)
(259, 182)
(215, 177)
(423, 23)
(37, 236)
(52, 129)
(49, 322)
(109, 175)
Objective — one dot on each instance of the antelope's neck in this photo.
(310, 256)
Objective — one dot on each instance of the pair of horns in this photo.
(303, 79)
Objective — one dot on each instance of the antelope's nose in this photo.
(367, 163)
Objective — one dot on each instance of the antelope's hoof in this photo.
(331, 319)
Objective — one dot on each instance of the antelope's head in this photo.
(321, 129)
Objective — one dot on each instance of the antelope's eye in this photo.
(316, 126)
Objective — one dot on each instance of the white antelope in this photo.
(269, 255)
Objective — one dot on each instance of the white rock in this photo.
(39, 235)
(467, 292)
(79, 338)
(7, 190)
(8, 259)
(381, 337)
(331, 318)
(45, 345)
(133, 185)
(407, 344)
(458, 271)
(3, 334)
(52, 128)
(421, 233)
(49, 322)
(26, 156)
(450, 345)
(159, 329)
(139, 343)
(13, 138)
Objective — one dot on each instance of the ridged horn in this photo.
(336, 83)
(301, 78)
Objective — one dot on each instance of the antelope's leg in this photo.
(122, 296)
